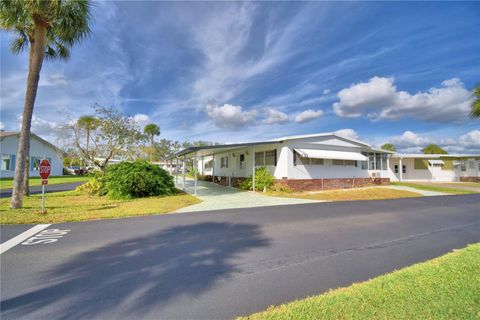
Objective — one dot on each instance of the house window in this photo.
(8, 162)
(209, 164)
(34, 163)
(344, 163)
(260, 158)
(471, 164)
(266, 158)
(364, 163)
(463, 166)
(224, 162)
(384, 161)
(304, 161)
(371, 161)
(270, 158)
(404, 169)
(395, 168)
(242, 161)
(316, 162)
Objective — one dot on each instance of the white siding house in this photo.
(316, 161)
(39, 149)
(435, 167)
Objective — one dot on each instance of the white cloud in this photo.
(348, 133)
(326, 91)
(41, 127)
(411, 142)
(229, 116)
(471, 139)
(2, 126)
(308, 115)
(142, 119)
(379, 99)
(275, 116)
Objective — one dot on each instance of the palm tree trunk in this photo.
(26, 177)
(37, 53)
(152, 142)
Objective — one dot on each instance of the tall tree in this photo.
(88, 123)
(117, 135)
(433, 149)
(151, 130)
(49, 28)
(476, 103)
(389, 147)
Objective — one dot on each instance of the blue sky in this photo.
(230, 72)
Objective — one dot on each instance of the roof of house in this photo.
(4, 134)
(434, 156)
(277, 140)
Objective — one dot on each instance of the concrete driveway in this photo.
(216, 197)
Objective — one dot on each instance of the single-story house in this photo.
(435, 167)
(39, 149)
(304, 162)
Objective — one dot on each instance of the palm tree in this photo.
(476, 103)
(48, 28)
(88, 123)
(151, 130)
(389, 147)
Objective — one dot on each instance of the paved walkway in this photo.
(425, 193)
(216, 197)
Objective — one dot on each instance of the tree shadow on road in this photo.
(137, 274)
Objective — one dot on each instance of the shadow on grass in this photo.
(137, 274)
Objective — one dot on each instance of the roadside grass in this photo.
(447, 287)
(433, 188)
(7, 183)
(77, 206)
(348, 194)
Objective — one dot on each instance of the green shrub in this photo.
(263, 180)
(137, 179)
(93, 187)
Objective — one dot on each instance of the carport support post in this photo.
(183, 171)
(195, 178)
(253, 170)
(176, 172)
(400, 169)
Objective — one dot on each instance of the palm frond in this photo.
(19, 44)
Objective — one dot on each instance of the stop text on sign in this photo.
(46, 236)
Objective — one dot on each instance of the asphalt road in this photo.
(217, 265)
(49, 188)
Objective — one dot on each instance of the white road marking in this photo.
(7, 245)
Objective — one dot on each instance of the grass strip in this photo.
(447, 287)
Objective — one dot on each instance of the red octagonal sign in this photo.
(44, 169)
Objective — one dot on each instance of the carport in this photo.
(196, 154)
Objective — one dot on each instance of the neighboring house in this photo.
(306, 162)
(435, 167)
(39, 149)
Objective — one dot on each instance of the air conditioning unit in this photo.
(375, 175)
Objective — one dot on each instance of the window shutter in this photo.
(294, 158)
(13, 161)
(275, 157)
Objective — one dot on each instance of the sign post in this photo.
(44, 171)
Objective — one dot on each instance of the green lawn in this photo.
(77, 206)
(447, 287)
(6, 183)
(348, 194)
(433, 188)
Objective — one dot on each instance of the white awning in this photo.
(432, 162)
(327, 154)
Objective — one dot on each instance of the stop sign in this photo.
(44, 169)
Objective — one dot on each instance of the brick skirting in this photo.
(469, 179)
(310, 184)
(330, 184)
